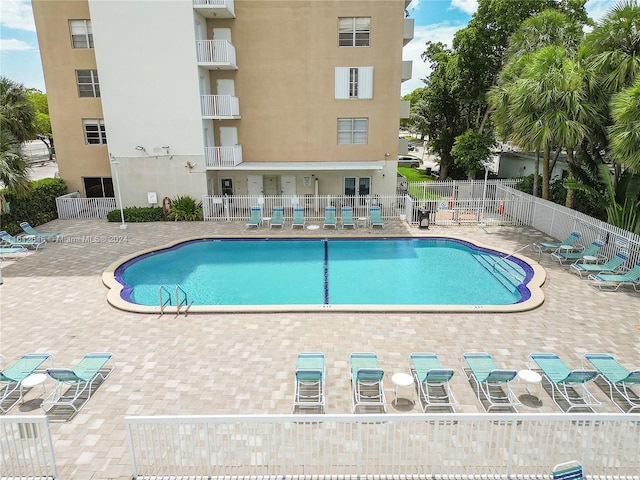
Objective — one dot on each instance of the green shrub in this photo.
(185, 208)
(37, 208)
(137, 214)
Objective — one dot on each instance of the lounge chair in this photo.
(13, 251)
(611, 266)
(277, 217)
(375, 218)
(591, 251)
(329, 217)
(347, 217)
(366, 383)
(82, 381)
(432, 381)
(568, 471)
(255, 218)
(12, 376)
(567, 386)
(613, 281)
(570, 241)
(32, 232)
(309, 382)
(490, 380)
(13, 242)
(298, 217)
(619, 379)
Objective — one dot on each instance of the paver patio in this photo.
(54, 301)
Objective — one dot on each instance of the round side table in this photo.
(402, 380)
(28, 383)
(529, 377)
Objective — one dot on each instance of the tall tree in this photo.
(14, 169)
(17, 115)
(625, 131)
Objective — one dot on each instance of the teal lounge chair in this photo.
(490, 380)
(80, 383)
(32, 232)
(329, 217)
(568, 471)
(12, 376)
(375, 217)
(432, 381)
(591, 251)
(619, 379)
(255, 219)
(309, 383)
(298, 217)
(366, 383)
(13, 242)
(571, 240)
(612, 281)
(277, 217)
(611, 266)
(13, 251)
(568, 387)
(347, 217)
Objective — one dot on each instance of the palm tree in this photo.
(14, 169)
(17, 115)
(624, 134)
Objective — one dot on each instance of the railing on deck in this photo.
(445, 446)
(73, 206)
(220, 106)
(223, 156)
(26, 448)
(216, 51)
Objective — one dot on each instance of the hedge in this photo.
(37, 208)
(137, 214)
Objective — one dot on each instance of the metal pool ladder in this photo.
(162, 291)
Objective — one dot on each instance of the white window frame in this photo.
(94, 129)
(92, 86)
(354, 31)
(353, 131)
(353, 83)
(81, 33)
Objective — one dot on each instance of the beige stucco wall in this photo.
(67, 109)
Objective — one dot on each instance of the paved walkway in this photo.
(54, 301)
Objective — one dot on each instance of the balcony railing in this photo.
(215, 8)
(223, 156)
(216, 54)
(220, 107)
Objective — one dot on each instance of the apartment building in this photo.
(244, 97)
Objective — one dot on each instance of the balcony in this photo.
(223, 156)
(407, 70)
(214, 8)
(216, 54)
(409, 24)
(220, 107)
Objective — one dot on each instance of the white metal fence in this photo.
(444, 446)
(73, 206)
(26, 448)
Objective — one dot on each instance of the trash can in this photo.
(423, 217)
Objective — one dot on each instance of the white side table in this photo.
(529, 377)
(402, 380)
(31, 381)
(265, 221)
(362, 221)
(590, 259)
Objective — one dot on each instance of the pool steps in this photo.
(507, 274)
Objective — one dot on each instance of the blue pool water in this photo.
(399, 271)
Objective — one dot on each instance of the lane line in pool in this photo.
(326, 272)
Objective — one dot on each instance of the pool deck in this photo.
(234, 363)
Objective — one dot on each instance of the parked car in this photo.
(407, 161)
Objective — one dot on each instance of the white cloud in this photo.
(13, 45)
(467, 6)
(598, 9)
(422, 34)
(17, 14)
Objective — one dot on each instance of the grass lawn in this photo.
(414, 175)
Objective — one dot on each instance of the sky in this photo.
(435, 21)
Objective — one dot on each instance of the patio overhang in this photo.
(306, 166)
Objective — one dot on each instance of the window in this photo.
(352, 131)
(354, 82)
(81, 33)
(88, 85)
(354, 31)
(98, 187)
(94, 132)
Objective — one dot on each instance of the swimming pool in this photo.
(355, 274)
